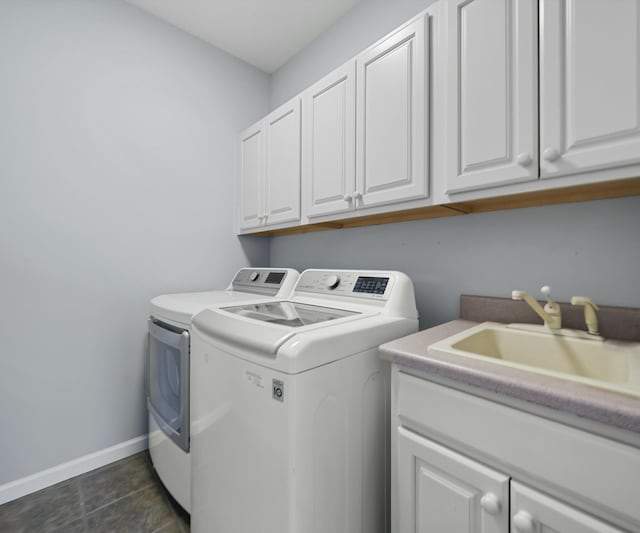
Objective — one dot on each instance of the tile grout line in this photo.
(83, 509)
(120, 498)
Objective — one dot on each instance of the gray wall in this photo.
(361, 26)
(117, 137)
(588, 248)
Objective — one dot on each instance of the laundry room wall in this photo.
(590, 248)
(117, 139)
(361, 26)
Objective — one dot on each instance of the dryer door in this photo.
(168, 386)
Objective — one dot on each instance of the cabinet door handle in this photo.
(524, 159)
(490, 503)
(523, 522)
(347, 198)
(357, 195)
(550, 154)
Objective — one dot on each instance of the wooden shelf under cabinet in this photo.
(579, 193)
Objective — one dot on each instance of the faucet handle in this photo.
(550, 307)
(590, 316)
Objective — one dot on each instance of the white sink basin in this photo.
(612, 365)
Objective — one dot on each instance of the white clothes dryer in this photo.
(290, 428)
(168, 383)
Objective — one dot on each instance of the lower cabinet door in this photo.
(534, 512)
(438, 490)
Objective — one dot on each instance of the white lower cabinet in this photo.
(462, 464)
(441, 491)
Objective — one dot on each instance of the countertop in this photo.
(612, 414)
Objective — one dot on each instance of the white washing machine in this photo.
(290, 432)
(168, 390)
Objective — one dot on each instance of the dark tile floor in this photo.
(123, 497)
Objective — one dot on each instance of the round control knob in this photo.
(333, 281)
(253, 276)
(490, 503)
(523, 522)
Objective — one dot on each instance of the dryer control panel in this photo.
(360, 284)
(273, 282)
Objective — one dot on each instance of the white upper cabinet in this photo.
(269, 187)
(251, 186)
(328, 143)
(492, 100)
(391, 126)
(590, 85)
(282, 164)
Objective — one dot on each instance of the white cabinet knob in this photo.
(523, 522)
(550, 154)
(347, 198)
(524, 160)
(357, 195)
(490, 503)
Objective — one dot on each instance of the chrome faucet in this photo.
(590, 317)
(551, 312)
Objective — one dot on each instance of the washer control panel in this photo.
(360, 284)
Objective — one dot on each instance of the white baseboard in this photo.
(40, 480)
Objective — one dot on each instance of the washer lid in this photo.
(255, 328)
(290, 314)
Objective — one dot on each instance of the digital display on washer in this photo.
(371, 285)
(274, 277)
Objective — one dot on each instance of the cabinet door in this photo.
(590, 85)
(251, 187)
(391, 131)
(533, 512)
(439, 490)
(492, 100)
(328, 143)
(282, 159)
